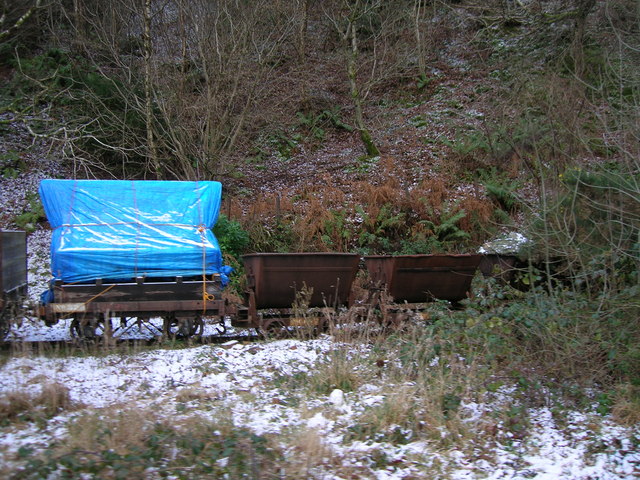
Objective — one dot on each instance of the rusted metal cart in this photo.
(415, 279)
(13, 277)
(284, 291)
(297, 289)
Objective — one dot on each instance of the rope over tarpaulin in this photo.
(117, 230)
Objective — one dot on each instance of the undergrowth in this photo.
(127, 445)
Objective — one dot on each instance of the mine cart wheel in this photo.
(8, 314)
(5, 323)
(276, 330)
(88, 328)
(5, 326)
(221, 327)
(182, 327)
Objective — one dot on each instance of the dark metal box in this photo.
(13, 266)
(422, 278)
(276, 278)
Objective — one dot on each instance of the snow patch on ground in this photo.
(242, 378)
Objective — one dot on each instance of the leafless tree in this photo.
(179, 81)
(346, 20)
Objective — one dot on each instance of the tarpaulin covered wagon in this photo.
(133, 249)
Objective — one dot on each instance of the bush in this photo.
(28, 219)
(232, 238)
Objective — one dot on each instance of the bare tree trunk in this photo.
(352, 64)
(183, 38)
(303, 5)
(583, 10)
(418, 13)
(79, 23)
(301, 44)
(152, 154)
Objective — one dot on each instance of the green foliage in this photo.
(275, 235)
(596, 259)
(94, 105)
(450, 404)
(470, 142)
(439, 234)
(423, 82)
(380, 232)
(447, 229)
(419, 121)
(364, 164)
(285, 145)
(501, 189)
(64, 80)
(233, 239)
(392, 229)
(335, 232)
(590, 63)
(28, 219)
(200, 452)
(568, 335)
(315, 124)
(11, 164)
(310, 128)
(494, 145)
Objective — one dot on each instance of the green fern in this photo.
(447, 230)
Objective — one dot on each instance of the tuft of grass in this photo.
(339, 371)
(52, 399)
(626, 404)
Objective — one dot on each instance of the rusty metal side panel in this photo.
(421, 278)
(275, 278)
(145, 298)
(132, 292)
(13, 262)
(54, 311)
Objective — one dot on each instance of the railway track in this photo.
(59, 345)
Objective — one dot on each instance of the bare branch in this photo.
(19, 22)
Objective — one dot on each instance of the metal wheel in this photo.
(5, 326)
(221, 327)
(276, 330)
(89, 328)
(182, 327)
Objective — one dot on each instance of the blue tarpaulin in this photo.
(118, 230)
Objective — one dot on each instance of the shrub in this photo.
(232, 238)
(28, 219)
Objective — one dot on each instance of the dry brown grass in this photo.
(332, 216)
(52, 399)
(626, 407)
(117, 430)
(310, 452)
(480, 211)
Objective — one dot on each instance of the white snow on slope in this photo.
(243, 380)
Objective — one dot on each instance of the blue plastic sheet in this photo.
(117, 230)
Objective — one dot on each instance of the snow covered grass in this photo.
(322, 408)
